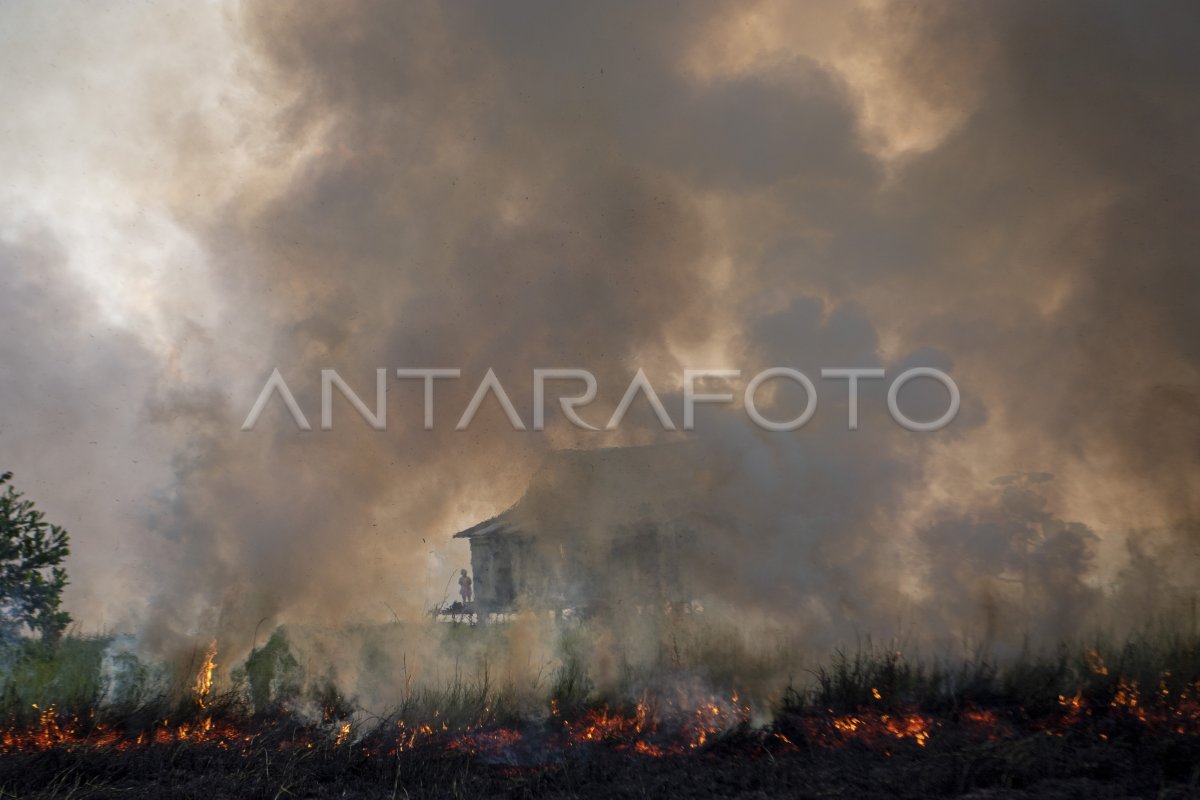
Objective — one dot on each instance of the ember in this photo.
(652, 727)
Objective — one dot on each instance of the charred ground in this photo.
(1090, 722)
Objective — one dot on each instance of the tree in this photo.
(1013, 541)
(31, 578)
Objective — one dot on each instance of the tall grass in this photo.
(36, 675)
(70, 675)
(1033, 681)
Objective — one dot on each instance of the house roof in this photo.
(574, 489)
(484, 528)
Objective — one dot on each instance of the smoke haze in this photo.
(197, 195)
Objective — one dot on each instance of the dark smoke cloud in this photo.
(513, 186)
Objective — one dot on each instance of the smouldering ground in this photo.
(1115, 722)
(1108, 740)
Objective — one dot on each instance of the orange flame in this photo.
(204, 678)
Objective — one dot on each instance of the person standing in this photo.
(464, 586)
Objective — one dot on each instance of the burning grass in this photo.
(1098, 720)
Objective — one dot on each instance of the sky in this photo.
(194, 195)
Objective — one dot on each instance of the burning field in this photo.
(736, 398)
(1072, 725)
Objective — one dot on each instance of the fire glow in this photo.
(654, 727)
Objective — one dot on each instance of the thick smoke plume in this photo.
(1005, 192)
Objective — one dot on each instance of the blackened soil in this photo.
(746, 764)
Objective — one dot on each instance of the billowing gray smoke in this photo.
(1005, 192)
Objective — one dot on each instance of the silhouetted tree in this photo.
(31, 575)
(1013, 540)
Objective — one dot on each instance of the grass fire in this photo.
(1126, 718)
(528, 399)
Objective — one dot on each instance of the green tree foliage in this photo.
(31, 575)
